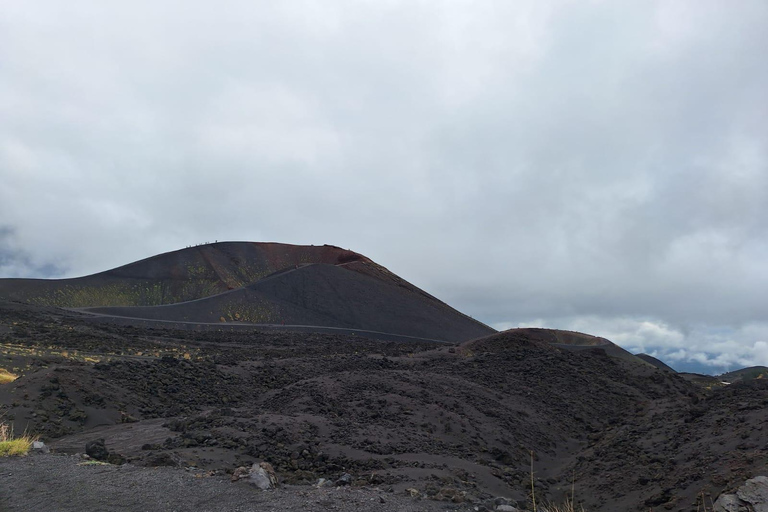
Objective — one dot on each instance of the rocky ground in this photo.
(460, 425)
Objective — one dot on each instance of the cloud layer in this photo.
(601, 165)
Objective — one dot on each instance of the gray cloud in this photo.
(16, 262)
(601, 165)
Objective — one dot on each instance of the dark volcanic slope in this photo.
(177, 276)
(745, 374)
(655, 362)
(573, 341)
(322, 295)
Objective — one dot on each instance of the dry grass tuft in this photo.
(567, 507)
(6, 376)
(14, 446)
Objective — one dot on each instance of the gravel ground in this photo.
(59, 483)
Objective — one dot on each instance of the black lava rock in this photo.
(97, 449)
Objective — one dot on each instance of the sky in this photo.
(597, 166)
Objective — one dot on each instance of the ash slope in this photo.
(322, 295)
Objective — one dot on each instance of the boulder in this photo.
(160, 459)
(727, 503)
(755, 492)
(750, 497)
(97, 449)
(345, 479)
(262, 475)
(40, 447)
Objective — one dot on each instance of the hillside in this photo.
(263, 283)
(745, 374)
(177, 276)
(326, 296)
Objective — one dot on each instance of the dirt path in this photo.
(55, 483)
(386, 336)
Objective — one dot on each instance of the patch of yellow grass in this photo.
(6, 376)
(13, 446)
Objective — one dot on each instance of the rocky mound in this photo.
(565, 340)
(655, 362)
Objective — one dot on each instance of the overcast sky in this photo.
(599, 166)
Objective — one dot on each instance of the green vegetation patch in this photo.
(122, 294)
(256, 312)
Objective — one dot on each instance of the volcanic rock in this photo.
(96, 449)
(750, 497)
(262, 475)
(345, 479)
(39, 446)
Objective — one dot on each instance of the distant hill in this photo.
(700, 379)
(751, 373)
(571, 341)
(655, 362)
(259, 283)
